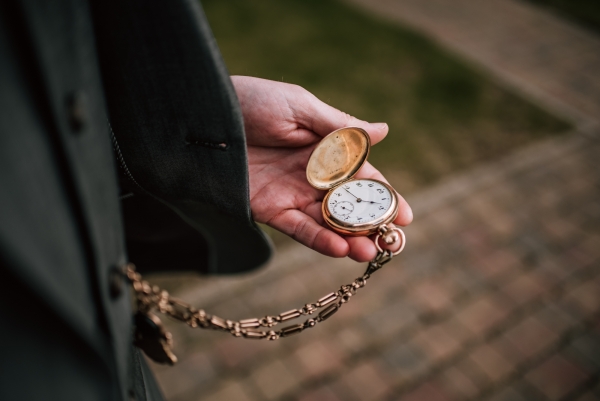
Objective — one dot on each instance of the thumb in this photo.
(322, 119)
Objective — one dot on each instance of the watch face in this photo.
(360, 202)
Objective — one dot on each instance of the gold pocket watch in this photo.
(354, 207)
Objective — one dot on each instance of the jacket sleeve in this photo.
(179, 138)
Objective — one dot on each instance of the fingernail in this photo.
(380, 126)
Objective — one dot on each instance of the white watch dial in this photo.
(359, 201)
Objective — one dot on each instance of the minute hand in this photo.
(357, 198)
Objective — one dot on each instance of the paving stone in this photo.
(471, 282)
(458, 384)
(556, 377)
(391, 318)
(577, 258)
(507, 349)
(433, 295)
(591, 243)
(484, 314)
(352, 339)
(228, 391)
(553, 270)
(533, 246)
(499, 262)
(404, 361)
(232, 308)
(193, 370)
(446, 218)
(320, 394)
(491, 361)
(317, 358)
(367, 381)
(273, 380)
(341, 390)
(280, 295)
(585, 349)
(530, 337)
(437, 342)
(558, 316)
(483, 207)
(476, 238)
(420, 265)
(391, 282)
(357, 310)
(589, 396)
(473, 371)
(560, 228)
(587, 296)
(320, 281)
(234, 352)
(417, 235)
(426, 391)
(526, 288)
(507, 394)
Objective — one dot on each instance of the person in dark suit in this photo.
(122, 139)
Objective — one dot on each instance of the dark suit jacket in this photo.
(153, 70)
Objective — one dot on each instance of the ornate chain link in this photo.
(156, 342)
(152, 297)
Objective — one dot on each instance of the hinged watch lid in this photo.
(338, 157)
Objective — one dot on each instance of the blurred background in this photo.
(493, 110)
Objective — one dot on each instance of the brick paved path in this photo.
(537, 53)
(497, 295)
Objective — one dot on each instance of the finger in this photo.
(308, 232)
(323, 119)
(362, 249)
(368, 171)
(405, 215)
(315, 211)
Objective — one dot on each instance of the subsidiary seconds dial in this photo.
(359, 201)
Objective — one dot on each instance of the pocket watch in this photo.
(354, 207)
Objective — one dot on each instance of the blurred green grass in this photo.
(443, 115)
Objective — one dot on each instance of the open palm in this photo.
(283, 125)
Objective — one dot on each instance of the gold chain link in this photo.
(150, 297)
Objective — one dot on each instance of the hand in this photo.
(283, 125)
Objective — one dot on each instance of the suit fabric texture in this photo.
(176, 143)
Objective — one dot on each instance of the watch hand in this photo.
(357, 198)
